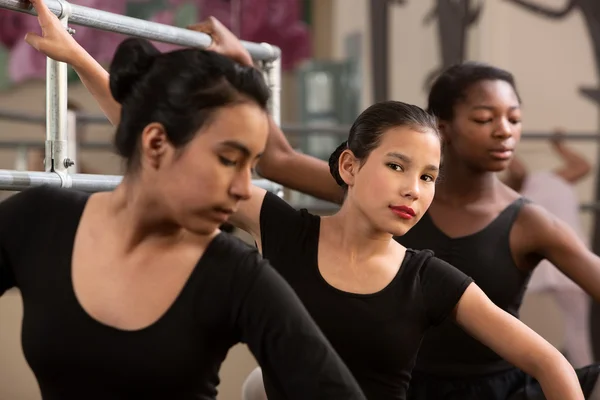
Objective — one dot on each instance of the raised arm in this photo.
(59, 45)
(515, 342)
(290, 348)
(575, 166)
(282, 164)
(546, 12)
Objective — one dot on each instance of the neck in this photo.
(355, 236)
(462, 184)
(140, 218)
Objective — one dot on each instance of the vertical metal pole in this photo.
(56, 108)
(72, 148)
(21, 163)
(272, 73)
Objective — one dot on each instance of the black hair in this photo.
(371, 124)
(179, 89)
(452, 85)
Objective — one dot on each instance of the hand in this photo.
(558, 137)
(223, 41)
(55, 41)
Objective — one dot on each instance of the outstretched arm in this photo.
(515, 342)
(546, 12)
(548, 237)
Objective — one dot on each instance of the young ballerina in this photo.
(489, 232)
(134, 293)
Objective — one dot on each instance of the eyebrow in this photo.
(238, 146)
(490, 108)
(407, 160)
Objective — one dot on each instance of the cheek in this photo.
(374, 184)
(194, 184)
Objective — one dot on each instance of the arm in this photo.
(575, 165)
(289, 347)
(282, 164)
(57, 44)
(548, 237)
(545, 11)
(518, 344)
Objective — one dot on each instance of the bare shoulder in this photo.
(535, 230)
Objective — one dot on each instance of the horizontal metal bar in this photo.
(129, 26)
(289, 129)
(21, 180)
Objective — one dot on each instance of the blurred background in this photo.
(339, 56)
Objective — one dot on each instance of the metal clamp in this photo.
(65, 179)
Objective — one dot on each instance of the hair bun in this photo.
(132, 60)
(334, 163)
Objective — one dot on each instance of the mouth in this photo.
(403, 212)
(223, 213)
(502, 153)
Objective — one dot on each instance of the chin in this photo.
(202, 228)
(497, 165)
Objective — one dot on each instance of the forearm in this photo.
(282, 164)
(558, 378)
(96, 79)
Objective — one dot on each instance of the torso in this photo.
(97, 325)
(457, 222)
(491, 241)
(374, 317)
(122, 288)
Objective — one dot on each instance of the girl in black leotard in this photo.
(488, 231)
(135, 293)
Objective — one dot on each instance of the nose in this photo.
(412, 188)
(503, 129)
(241, 186)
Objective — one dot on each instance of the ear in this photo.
(445, 129)
(348, 165)
(155, 146)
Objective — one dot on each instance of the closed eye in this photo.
(482, 121)
(227, 162)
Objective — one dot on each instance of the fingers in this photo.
(204, 27)
(42, 10)
(34, 40)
